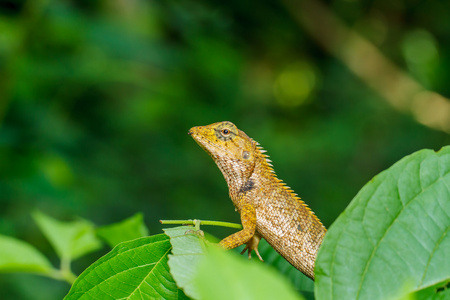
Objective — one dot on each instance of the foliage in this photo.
(70, 240)
(132, 270)
(393, 238)
(20, 256)
(126, 230)
(187, 253)
(234, 279)
(390, 243)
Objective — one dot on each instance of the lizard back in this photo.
(287, 223)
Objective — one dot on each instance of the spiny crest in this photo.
(263, 154)
(282, 184)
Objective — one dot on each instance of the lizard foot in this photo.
(252, 245)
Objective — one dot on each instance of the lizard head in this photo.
(231, 149)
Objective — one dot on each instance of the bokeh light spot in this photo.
(56, 170)
(419, 47)
(294, 85)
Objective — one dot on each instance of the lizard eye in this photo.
(224, 133)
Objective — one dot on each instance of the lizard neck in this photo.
(261, 174)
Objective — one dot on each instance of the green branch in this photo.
(197, 223)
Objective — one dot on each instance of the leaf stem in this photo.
(66, 272)
(61, 275)
(202, 222)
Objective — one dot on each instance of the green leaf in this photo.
(18, 256)
(188, 251)
(69, 239)
(395, 233)
(297, 278)
(126, 230)
(135, 269)
(439, 291)
(223, 275)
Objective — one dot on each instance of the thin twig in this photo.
(201, 222)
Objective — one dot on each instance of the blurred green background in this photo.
(97, 96)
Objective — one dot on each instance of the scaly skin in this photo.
(268, 208)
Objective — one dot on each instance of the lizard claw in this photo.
(249, 252)
(252, 245)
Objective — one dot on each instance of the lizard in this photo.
(268, 208)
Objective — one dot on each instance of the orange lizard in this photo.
(268, 208)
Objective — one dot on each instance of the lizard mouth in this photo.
(206, 144)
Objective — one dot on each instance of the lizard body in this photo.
(268, 208)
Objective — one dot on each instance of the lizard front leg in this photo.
(248, 220)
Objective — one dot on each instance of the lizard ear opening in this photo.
(245, 154)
